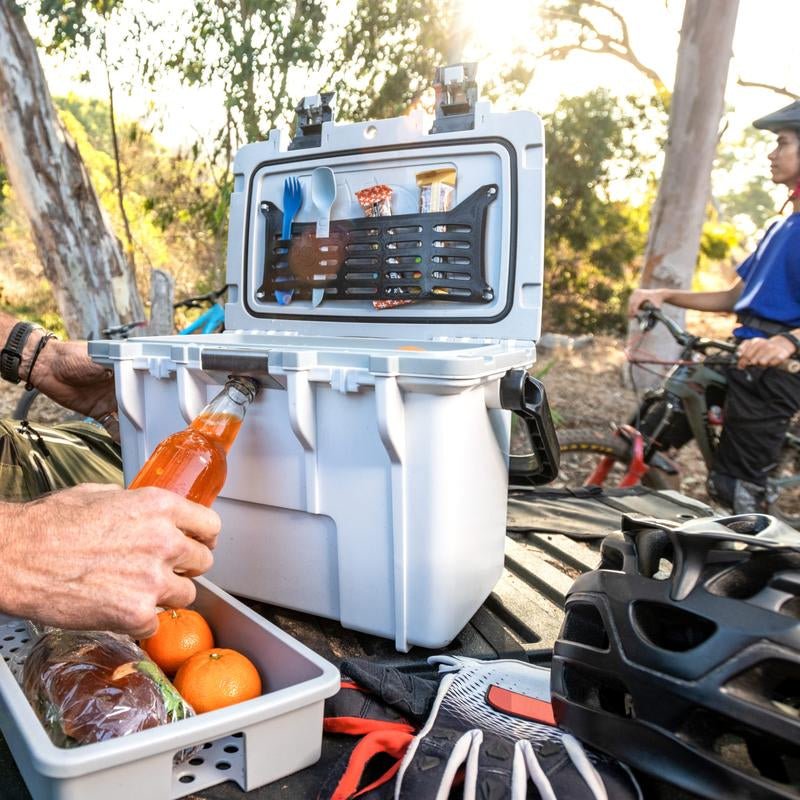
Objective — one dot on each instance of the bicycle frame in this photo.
(686, 389)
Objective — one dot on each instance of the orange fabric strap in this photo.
(391, 742)
(358, 726)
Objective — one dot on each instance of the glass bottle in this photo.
(193, 462)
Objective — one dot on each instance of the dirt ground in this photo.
(585, 388)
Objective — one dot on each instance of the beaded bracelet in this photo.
(39, 347)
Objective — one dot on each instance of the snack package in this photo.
(375, 200)
(437, 190)
(90, 686)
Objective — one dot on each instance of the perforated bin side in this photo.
(282, 729)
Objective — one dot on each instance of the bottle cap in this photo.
(245, 384)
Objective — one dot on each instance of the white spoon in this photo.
(323, 195)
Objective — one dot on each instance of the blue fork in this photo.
(292, 203)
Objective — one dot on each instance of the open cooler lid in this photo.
(473, 271)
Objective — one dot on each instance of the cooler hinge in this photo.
(310, 113)
(456, 94)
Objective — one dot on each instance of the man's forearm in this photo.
(723, 300)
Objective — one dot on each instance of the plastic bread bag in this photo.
(91, 686)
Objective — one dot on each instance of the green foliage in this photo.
(177, 215)
(387, 55)
(379, 59)
(755, 201)
(755, 198)
(717, 241)
(591, 239)
(74, 24)
(36, 306)
(251, 47)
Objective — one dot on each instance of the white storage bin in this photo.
(368, 483)
(252, 743)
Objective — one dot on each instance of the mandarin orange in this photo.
(217, 678)
(181, 633)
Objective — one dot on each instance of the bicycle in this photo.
(212, 320)
(687, 405)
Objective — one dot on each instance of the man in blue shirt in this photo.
(761, 399)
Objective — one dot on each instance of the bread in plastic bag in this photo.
(90, 686)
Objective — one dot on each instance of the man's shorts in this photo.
(36, 459)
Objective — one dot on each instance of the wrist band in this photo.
(11, 354)
(39, 347)
(793, 339)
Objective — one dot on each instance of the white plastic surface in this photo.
(252, 743)
(367, 485)
(502, 149)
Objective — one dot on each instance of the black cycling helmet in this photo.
(680, 655)
(786, 118)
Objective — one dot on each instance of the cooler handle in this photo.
(526, 397)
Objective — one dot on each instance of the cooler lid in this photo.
(472, 269)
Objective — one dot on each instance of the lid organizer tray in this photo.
(400, 257)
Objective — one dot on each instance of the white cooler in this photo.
(368, 483)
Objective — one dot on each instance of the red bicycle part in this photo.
(600, 472)
(637, 468)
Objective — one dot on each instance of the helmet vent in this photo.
(773, 684)
(791, 607)
(741, 747)
(584, 625)
(598, 692)
(746, 579)
(671, 628)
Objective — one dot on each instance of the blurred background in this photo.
(158, 96)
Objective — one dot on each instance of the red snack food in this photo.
(375, 200)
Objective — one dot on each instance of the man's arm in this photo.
(721, 300)
(65, 373)
(97, 557)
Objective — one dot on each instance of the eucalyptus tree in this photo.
(93, 282)
(696, 106)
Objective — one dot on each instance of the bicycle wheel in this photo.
(582, 451)
(787, 505)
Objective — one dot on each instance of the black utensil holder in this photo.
(436, 256)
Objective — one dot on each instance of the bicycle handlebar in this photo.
(120, 331)
(198, 300)
(650, 314)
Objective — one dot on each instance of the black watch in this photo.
(793, 339)
(11, 354)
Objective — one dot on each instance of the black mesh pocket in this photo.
(438, 256)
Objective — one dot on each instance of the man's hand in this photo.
(640, 296)
(66, 374)
(100, 557)
(763, 352)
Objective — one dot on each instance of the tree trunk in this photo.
(93, 283)
(697, 101)
(162, 296)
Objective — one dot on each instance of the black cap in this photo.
(785, 118)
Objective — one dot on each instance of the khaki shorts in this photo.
(36, 459)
